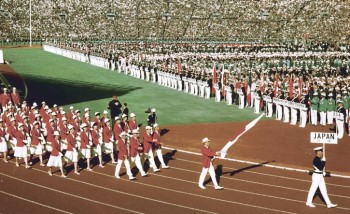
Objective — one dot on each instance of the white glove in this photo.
(323, 159)
(61, 154)
(74, 150)
(88, 146)
(324, 174)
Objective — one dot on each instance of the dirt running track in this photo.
(248, 188)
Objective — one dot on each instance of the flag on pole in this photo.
(300, 86)
(290, 87)
(249, 95)
(275, 90)
(179, 66)
(224, 150)
(214, 79)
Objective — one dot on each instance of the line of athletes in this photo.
(69, 138)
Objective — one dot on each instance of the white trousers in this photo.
(323, 118)
(294, 116)
(318, 182)
(340, 128)
(279, 111)
(127, 166)
(160, 157)
(313, 117)
(217, 95)
(303, 118)
(229, 98)
(207, 92)
(137, 161)
(211, 173)
(150, 158)
(257, 106)
(286, 114)
(330, 117)
(269, 109)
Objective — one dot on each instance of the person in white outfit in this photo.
(158, 145)
(208, 157)
(123, 157)
(135, 150)
(319, 163)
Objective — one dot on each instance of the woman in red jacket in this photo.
(56, 155)
(208, 156)
(21, 150)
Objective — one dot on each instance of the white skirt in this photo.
(71, 156)
(97, 150)
(54, 161)
(48, 147)
(63, 145)
(21, 152)
(36, 150)
(86, 153)
(108, 147)
(3, 146)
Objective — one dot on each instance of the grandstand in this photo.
(255, 21)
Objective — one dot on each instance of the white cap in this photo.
(36, 123)
(205, 140)
(122, 134)
(135, 131)
(46, 107)
(132, 115)
(83, 125)
(37, 115)
(124, 115)
(105, 112)
(54, 114)
(60, 108)
(155, 125)
(318, 148)
(74, 116)
(76, 111)
(323, 94)
(51, 120)
(54, 105)
(13, 119)
(14, 88)
(20, 124)
(87, 109)
(153, 110)
(64, 119)
(63, 112)
(117, 118)
(34, 104)
(70, 127)
(71, 107)
(97, 113)
(148, 127)
(56, 133)
(49, 111)
(43, 102)
(106, 120)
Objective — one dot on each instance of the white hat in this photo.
(64, 119)
(70, 127)
(56, 133)
(87, 109)
(77, 111)
(71, 107)
(122, 134)
(132, 115)
(43, 102)
(63, 112)
(135, 131)
(318, 148)
(51, 120)
(86, 115)
(205, 140)
(34, 104)
(106, 120)
(54, 105)
(153, 110)
(5, 89)
(105, 112)
(330, 94)
(155, 125)
(74, 116)
(46, 107)
(37, 115)
(13, 119)
(124, 115)
(315, 93)
(97, 113)
(323, 94)
(49, 111)
(83, 125)
(148, 127)
(20, 124)
(117, 118)
(60, 108)
(36, 123)
(14, 88)
(54, 114)
(92, 124)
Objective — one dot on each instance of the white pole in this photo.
(30, 23)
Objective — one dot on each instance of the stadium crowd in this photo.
(76, 138)
(295, 85)
(287, 20)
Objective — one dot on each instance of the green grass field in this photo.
(66, 82)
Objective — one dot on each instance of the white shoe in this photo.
(144, 174)
(117, 177)
(165, 167)
(156, 170)
(201, 186)
(310, 205)
(219, 188)
(331, 205)
(131, 178)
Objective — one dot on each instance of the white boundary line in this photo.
(196, 195)
(255, 163)
(264, 174)
(34, 202)
(69, 194)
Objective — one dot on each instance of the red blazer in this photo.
(63, 130)
(122, 149)
(95, 137)
(84, 140)
(20, 137)
(15, 99)
(208, 155)
(70, 142)
(50, 131)
(132, 125)
(35, 136)
(55, 148)
(125, 126)
(156, 136)
(147, 142)
(4, 99)
(107, 134)
(11, 130)
(134, 146)
(117, 129)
